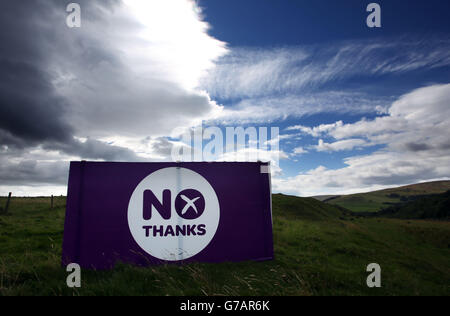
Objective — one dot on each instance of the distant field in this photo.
(318, 249)
(378, 200)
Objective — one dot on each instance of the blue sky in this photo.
(358, 108)
(263, 23)
(323, 29)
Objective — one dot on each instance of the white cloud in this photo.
(299, 151)
(315, 131)
(421, 117)
(417, 148)
(256, 73)
(366, 173)
(269, 109)
(156, 52)
(173, 43)
(277, 83)
(347, 144)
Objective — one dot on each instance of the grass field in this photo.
(318, 251)
(378, 200)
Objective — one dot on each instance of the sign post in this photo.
(7, 203)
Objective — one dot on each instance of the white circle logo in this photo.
(173, 214)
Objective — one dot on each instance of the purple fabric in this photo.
(97, 235)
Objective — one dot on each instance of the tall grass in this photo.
(323, 254)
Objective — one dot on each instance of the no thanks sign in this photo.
(150, 213)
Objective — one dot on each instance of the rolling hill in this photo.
(436, 206)
(305, 208)
(377, 200)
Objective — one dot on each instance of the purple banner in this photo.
(152, 213)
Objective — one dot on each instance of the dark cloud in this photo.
(32, 172)
(33, 116)
(32, 112)
(102, 81)
(415, 147)
(8, 139)
(392, 174)
(29, 109)
(38, 167)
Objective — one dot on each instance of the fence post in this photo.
(7, 203)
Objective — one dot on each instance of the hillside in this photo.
(378, 200)
(435, 206)
(319, 250)
(305, 208)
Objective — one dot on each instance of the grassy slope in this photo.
(377, 200)
(316, 254)
(436, 206)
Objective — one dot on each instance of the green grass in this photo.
(318, 251)
(378, 200)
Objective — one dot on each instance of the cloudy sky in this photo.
(358, 108)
